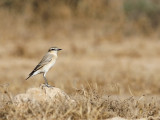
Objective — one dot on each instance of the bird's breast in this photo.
(49, 65)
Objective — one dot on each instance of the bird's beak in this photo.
(59, 49)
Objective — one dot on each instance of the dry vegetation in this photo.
(109, 63)
(89, 105)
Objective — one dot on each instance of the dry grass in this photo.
(90, 105)
(106, 58)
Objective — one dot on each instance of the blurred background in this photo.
(111, 46)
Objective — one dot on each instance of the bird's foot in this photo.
(49, 86)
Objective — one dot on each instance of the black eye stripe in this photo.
(53, 49)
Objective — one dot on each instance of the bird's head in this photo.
(54, 49)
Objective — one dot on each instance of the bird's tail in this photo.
(30, 75)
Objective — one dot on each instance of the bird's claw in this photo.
(47, 85)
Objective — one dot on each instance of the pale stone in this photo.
(43, 93)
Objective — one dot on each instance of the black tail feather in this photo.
(30, 75)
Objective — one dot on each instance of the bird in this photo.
(45, 64)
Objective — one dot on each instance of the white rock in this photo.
(43, 93)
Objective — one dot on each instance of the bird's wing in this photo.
(45, 60)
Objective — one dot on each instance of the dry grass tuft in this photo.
(90, 105)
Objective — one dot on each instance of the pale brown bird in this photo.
(45, 64)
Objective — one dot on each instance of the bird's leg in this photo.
(46, 82)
